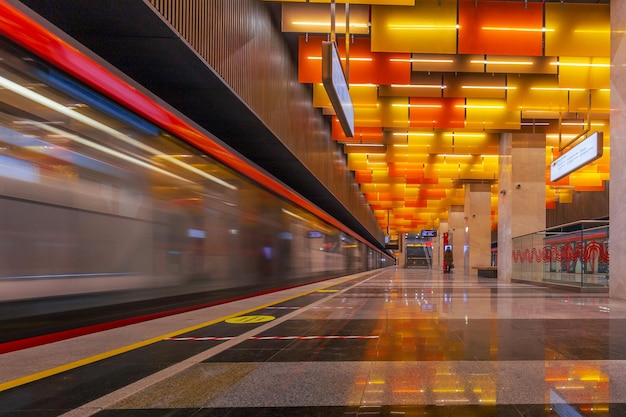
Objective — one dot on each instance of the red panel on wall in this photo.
(500, 28)
(436, 112)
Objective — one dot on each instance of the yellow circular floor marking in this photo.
(250, 319)
(327, 290)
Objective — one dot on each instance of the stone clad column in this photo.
(521, 193)
(505, 208)
(528, 185)
(477, 214)
(617, 187)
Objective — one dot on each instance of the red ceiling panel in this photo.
(500, 28)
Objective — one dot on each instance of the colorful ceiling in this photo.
(434, 83)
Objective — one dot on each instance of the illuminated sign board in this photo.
(580, 155)
(429, 233)
(334, 81)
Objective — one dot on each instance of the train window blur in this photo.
(96, 199)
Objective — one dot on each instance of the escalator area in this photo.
(418, 256)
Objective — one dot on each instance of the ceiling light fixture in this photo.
(421, 134)
(488, 87)
(579, 64)
(419, 106)
(510, 29)
(484, 61)
(423, 60)
(423, 27)
(556, 89)
(467, 106)
(327, 24)
(418, 86)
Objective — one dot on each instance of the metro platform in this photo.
(389, 342)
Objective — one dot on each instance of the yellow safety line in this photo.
(86, 361)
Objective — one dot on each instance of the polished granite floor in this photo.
(393, 342)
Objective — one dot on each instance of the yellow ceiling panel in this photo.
(585, 72)
(490, 114)
(320, 98)
(565, 196)
(361, 95)
(375, 188)
(394, 111)
(583, 179)
(357, 161)
(368, 117)
(577, 29)
(380, 176)
(364, 95)
(536, 92)
(601, 100)
(579, 101)
(430, 26)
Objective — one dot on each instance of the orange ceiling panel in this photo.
(399, 170)
(310, 59)
(375, 67)
(500, 28)
(425, 180)
(416, 203)
(363, 176)
(366, 67)
(432, 194)
(436, 112)
(361, 134)
(383, 205)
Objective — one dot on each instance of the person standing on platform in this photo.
(448, 261)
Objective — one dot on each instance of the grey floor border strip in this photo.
(99, 404)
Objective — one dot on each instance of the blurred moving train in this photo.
(95, 199)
